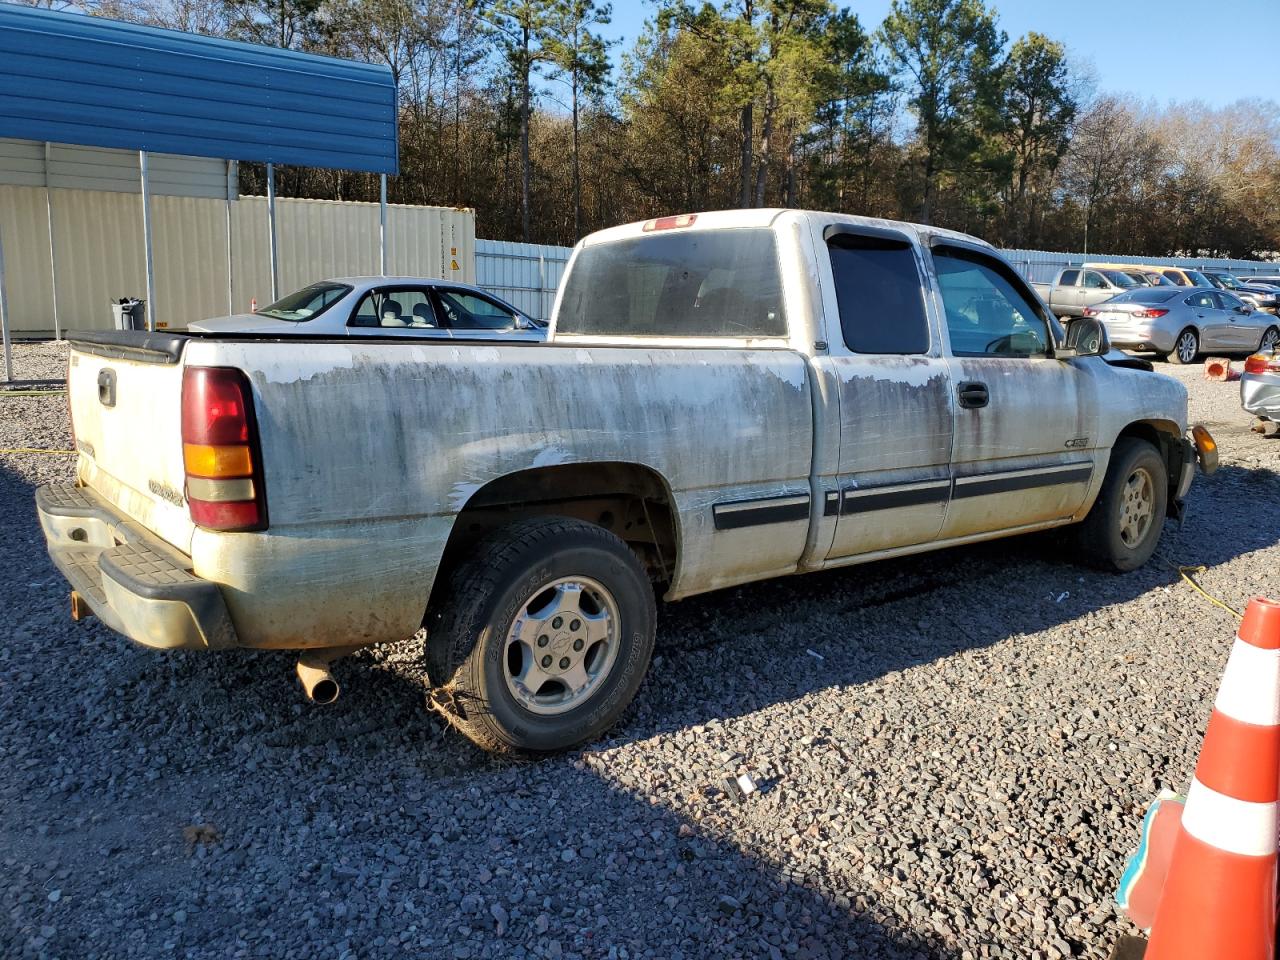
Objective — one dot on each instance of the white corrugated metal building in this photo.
(89, 196)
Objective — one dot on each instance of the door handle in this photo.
(973, 394)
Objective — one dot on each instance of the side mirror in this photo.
(1244, 308)
(1086, 337)
(523, 322)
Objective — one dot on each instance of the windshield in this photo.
(1197, 278)
(1140, 279)
(1228, 281)
(1146, 295)
(306, 303)
(1119, 278)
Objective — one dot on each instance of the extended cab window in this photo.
(681, 283)
(879, 293)
(1069, 278)
(987, 315)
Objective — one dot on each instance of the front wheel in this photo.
(1185, 348)
(1269, 341)
(1122, 530)
(543, 636)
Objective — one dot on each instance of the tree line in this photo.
(511, 107)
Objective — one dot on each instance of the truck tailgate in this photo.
(126, 411)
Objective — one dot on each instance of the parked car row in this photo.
(1171, 310)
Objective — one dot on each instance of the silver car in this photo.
(1261, 295)
(1260, 391)
(385, 306)
(1181, 322)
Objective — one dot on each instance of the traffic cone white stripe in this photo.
(1235, 826)
(1249, 686)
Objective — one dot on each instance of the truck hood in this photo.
(247, 323)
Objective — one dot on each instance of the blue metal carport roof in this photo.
(69, 78)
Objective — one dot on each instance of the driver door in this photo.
(1025, 423)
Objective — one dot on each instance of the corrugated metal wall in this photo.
(23, 164)
(524, 274)
(98, 238)
(527, 274)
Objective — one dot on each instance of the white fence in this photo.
(1042, 266)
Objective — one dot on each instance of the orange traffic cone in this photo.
(1220, 898)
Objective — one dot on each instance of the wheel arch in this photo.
(631, 500)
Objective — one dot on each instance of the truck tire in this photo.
(1121, 531)
(543, 636)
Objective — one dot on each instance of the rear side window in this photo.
(1177, 277)
(879, 293)
(394, 307)
(692, 283)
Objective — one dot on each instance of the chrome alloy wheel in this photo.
(1137, 507)
(561, 645)
(1186, 347)
(1269, 340)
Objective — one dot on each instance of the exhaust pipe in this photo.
(317, 681)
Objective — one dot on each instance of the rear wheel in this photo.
(1122, 530)
(1186, 347)
(1269, 341)
(543, 636)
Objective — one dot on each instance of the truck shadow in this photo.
(377, 828)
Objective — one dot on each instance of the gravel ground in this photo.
(954, 753)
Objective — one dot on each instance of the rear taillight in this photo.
(1262, 363)
(220, 450)
(1149, 314)
(1090, 312)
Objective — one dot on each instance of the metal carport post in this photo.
(4, 317)
(146, 239)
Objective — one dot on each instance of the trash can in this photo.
(130, 313)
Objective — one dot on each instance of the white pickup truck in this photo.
(724, 397)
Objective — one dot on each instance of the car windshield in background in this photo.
(306, 303)
(1119, 278)
(1197, 278)
(690, 283)
(1146, 295)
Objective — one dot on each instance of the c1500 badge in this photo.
(1076, 443)
(165, 492)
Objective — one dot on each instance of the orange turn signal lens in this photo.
(1206, 447)
(206, 460)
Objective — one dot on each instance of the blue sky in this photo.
(1173, 50)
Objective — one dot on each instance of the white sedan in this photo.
(385, 306)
